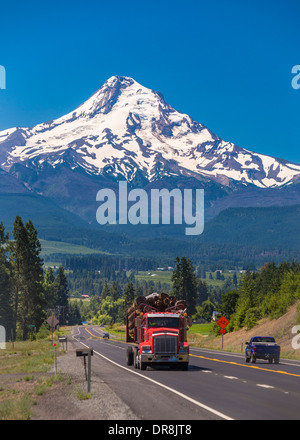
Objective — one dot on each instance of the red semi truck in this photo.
(157, 325)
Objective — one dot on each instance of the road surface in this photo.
(217, 385)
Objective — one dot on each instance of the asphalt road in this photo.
(217, 385)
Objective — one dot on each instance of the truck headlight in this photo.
(146, 349)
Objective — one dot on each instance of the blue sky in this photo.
(225, 63)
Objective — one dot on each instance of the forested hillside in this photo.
(265, 294)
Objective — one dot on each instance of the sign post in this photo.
(52, 321)
(55, 361)
(222, 323)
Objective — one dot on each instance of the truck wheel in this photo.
(143, 365)
(276, 360)
(247, 359)
(184, 366)
(252, 359)
(129, 356)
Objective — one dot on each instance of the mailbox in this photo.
(84, 351)
(62, 339)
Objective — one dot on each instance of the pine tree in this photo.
(129, 295)
(185, 283)
(105, 291)
(62, 293)
(6, 310)
(35, 277)
(27, 277)
(115, 291)
(50, 288)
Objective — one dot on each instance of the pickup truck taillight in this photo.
(254, 348)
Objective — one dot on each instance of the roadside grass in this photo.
(25, 376)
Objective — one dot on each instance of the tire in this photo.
(184, 366)
(276, 360)
(252, 359)
(247, 359)
(129, 356)
(143, 365)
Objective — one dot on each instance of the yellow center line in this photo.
(91, 333)
(247, 366)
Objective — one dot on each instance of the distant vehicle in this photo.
(262, 347)
(105, 335)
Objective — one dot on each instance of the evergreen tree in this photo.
(129, 295)
(36, 277)
(105, 291)
(202, 291)
(62, 293)
(27, 294)
(50, 288)
(115, 291)
(6, 310)
(185, 283)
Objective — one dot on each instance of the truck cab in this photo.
(161, 339)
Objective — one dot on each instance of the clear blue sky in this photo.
(226, 63)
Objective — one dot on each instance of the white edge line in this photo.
(195, 402)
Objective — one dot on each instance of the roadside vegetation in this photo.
(24, 370)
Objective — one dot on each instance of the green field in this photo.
(156, 276)
(60, 247)
(165, 276)
(201, 329)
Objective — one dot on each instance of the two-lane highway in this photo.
(217, 385)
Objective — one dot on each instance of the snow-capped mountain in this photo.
(125, 129)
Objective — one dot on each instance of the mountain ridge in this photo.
(125, 128)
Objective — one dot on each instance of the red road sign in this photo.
(222, 331)
(222, 322)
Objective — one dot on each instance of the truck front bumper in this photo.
(149, 358)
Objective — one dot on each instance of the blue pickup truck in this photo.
(262, 347)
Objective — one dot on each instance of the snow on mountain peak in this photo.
(124, 128)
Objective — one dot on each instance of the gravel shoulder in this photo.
(67, 399)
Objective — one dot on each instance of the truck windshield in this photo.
(263, 339)
(163, 321)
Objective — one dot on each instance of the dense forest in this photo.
(27, 294)
(267, 293)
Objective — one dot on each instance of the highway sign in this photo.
(223, 322)
(53, 321)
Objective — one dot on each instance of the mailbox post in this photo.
(62, 340)
(86, 352)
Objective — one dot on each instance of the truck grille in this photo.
(165, 344)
